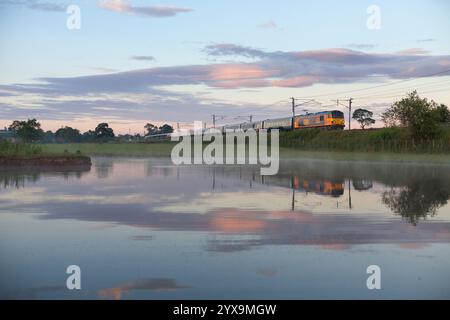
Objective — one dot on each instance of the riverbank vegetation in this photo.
(393, 139)
(8, 149)
(27, 154)
(162, 149)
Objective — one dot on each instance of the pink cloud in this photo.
(150, 11)
(295, 82)
(226, 72)
(413, 51)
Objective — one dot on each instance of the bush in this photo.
(387, 135)
(8, 149)
(420, 116)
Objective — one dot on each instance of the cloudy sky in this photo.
(133, 62)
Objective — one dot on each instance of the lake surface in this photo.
(146, 229)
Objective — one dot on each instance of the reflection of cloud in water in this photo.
(142, 237)
(34, 195)
(336, 246)
(34, 293)
(236, 229)
(267, 272)
(161, 284)
(240, 215)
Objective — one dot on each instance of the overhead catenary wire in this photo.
(255, 112)
(400, 95)
(377, 86)
(400, 91)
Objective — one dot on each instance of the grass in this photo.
(26, 150)
(111, 149)
(8, 149)
(386, 140)
(164, 149)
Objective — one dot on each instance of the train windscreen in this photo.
(337, 114)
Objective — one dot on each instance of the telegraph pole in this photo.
(293, 107)
(350, 113)
(349, 107)
(215, 118)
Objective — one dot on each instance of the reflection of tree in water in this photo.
(17, 180)
(104, 168)
(414, 191)
(362, 185)
(20, 178)
(418, 199)
(160, 168)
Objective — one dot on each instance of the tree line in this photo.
(31, 131)
(423, 118)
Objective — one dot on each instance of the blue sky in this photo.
(203, 57)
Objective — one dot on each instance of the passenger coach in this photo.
(330, 120)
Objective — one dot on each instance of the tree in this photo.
(442, 113)
(28, 131)
(48, 137)
(419, 115)
(151, 129)
(68, 134)
(364, 117)
(89, 136)
(104, 132)
(166, 129)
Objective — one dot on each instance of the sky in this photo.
(133, 62)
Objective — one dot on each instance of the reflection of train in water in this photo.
(322, 187)
(329, 188)
(326, 120)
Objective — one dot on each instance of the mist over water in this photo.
(146, 229)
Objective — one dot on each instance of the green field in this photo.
(164, 150)
(110, 149)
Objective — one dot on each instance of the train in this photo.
(330, 120)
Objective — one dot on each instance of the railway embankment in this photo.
(397, 140)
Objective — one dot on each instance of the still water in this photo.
(145, 229)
